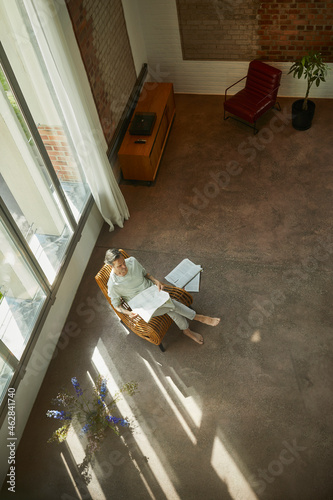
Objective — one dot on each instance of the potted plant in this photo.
(314, 70)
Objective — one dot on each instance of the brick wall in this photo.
(100, 30)
(241, 30)
(287, 29)
(218, 30)
(60, 154)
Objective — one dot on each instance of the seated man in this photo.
(128, 278)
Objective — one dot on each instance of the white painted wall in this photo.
(135, 34)
(159, 23)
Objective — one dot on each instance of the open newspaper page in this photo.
(186, 273)
(146, 302)
(194, 285)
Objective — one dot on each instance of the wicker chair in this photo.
(156, 328)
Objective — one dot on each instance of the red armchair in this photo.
(258, 96)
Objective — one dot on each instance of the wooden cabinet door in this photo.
(159, 142)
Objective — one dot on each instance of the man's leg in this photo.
(178, 312)
(187, 312)
(183, 324)
(207, 320)
(181, 314)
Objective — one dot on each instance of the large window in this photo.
(43, 189)
(27, 188)
(21, 301)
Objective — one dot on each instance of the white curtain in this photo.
(71, 90)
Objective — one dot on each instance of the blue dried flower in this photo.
(60, 415)
(102, 393)
(85, 428)
(117, 420)
(91, 415)
(103, 390)
(77, 387)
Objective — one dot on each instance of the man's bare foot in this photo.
(207, 320)
(194, 336)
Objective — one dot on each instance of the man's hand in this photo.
(159, 285)
(122, 310)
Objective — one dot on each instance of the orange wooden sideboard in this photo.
(140, 161)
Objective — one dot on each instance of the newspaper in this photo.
(186, 275)
(194, 285)
(146, 302)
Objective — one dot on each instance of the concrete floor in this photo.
(248, 415)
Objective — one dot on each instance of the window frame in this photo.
(22, 245)
(35, 134)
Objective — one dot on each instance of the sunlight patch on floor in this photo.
(77, 492)
(143, 479)
(172, 405)
(227, 470)
(77, 450)
(105, 366)
(188, 403)
(182, 393)
(256, 337)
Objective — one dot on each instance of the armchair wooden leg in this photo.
(277, 106)
(161, 347)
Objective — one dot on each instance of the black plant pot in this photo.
(302, 119)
